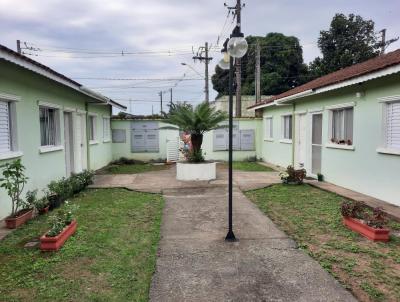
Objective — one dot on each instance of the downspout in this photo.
(87, 137)
(293, 132)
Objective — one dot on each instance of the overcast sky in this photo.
(84, 39)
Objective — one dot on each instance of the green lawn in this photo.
(312, 217)
(132, 168)
(110, 258)
(249, 166)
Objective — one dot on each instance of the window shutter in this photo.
(235, 140)
(118, 135)
(247, 140)
(220, 139)
(5, 139)
(138, 141)
(151, 140)
(393, 125)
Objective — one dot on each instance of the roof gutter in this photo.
(100, 97)
(294, 96)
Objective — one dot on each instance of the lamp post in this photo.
(235, 47)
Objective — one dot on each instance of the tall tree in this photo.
(349, 40)
(281, 61)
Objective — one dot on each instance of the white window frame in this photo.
(269, 128)
(57, 119)
(92, 119)
(106, 123)
(331, 109)
(286, 140)
(384, 148)
(14, 151)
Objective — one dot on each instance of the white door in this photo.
(80, 143)
(173, 149)
(316, 143)
(68, 143)
(301, 146)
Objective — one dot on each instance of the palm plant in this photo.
(195, 121)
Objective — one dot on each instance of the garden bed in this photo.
(370, 270)
(111, 257)
(249, 166)
(132, 168)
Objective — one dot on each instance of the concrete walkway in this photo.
(194, 262)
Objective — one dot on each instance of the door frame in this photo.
(310, 144)
(303, 116)
(80, 146)
(69, 162)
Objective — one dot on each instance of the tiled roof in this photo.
(375, 64)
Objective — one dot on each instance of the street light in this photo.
(191, 67)
(235, 47)
(224, 62)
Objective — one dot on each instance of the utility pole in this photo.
(170, 90)
(383, 46)
(258, 74)
(160, 94)
(19, 47)
(206, 60)
(238, 63)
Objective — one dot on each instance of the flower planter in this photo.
(44, 210)
(55, 243)
(14, 222)
(365, 230)
(196, 171)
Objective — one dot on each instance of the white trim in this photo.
(315, 110)
(9, 97)
(49, 105)
(69, 109)
(94, 142)
(268, 139)
(107, 141)
(93, 114)
(388, 99)
(263, 106)
(287, 114)
(46, 149)
(388, 151)
(295, 96)
(268, 116)
(285, 141)
(341, 106)
(338, 146)
(300, 112)
(79, 111)
(106, 116)
(12, 154)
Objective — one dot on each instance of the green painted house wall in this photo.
(363, 169)
(42, 168)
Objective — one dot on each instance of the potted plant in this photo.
(293, 176)
(63, 225)
(357, 218)
(13, 181)
(320, 177)
(42, 204)
(195, 122)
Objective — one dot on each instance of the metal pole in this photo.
(19, 46)
(258, 74)
(230, 236)
(238, 63)
(206, 73)
(161, 93)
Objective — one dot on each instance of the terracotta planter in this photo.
(55, 243)
(44, 210)
(365, 230)
(14, 222)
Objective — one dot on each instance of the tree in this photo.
(349, 40)
(281, 61)
(195, 121)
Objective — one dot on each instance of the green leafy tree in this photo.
(195, 121)
(349, 40)
(281, 61)
(13, 181)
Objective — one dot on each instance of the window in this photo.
(92, 128)
(342, 126)
(5, 127)
(392, 125)
(49, 126)
(106, 129)
(269, 134)
(287, 127)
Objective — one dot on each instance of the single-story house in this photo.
(53, 124)
(344, 125)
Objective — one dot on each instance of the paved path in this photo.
(194, 262)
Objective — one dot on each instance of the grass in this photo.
(250, 166)
(110, 258)
(132, 168)
(312, 217)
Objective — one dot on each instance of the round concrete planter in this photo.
(196, 171)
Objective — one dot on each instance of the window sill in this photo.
(388, 151)
(46, 149)
(268, 139)
(93, 142)
(12, 154)
(107, 141)
(337, 146)
(285, 141)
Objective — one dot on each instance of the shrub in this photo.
(358, 210)
(63, 218)
(292, 175)
(13, 181)
(353, 209)
(377, 219)
(195, 156)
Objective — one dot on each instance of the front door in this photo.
(68, 143)
(80, 143)
(301, 141)
(316, 143)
